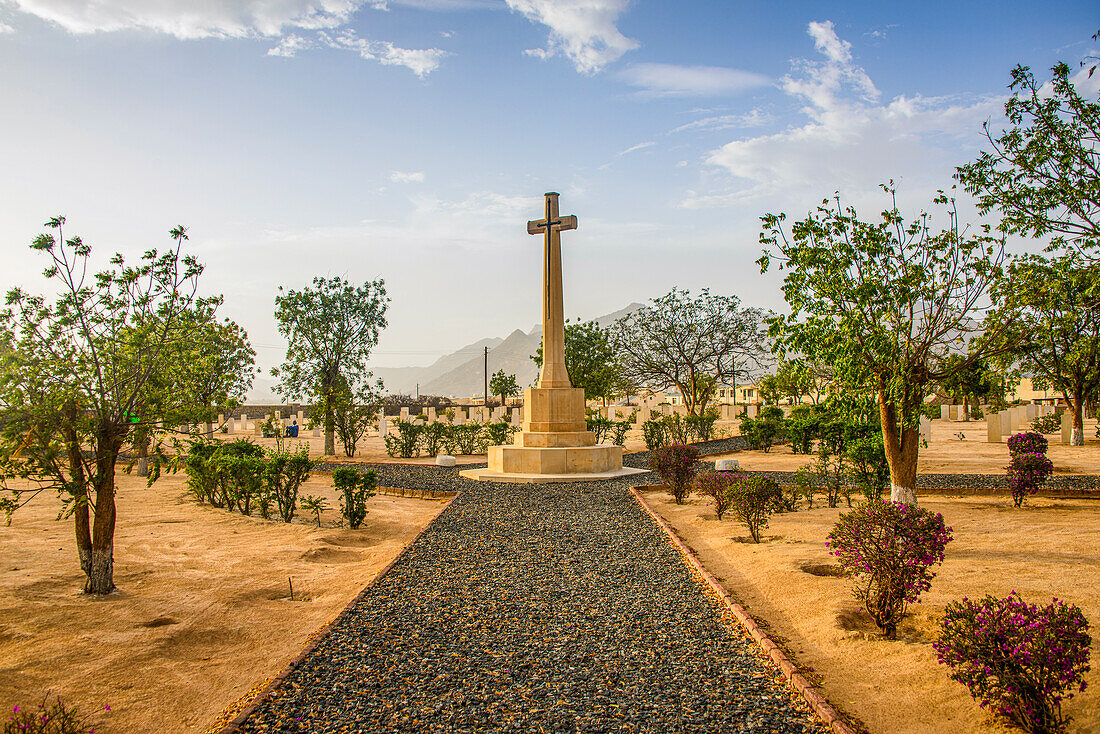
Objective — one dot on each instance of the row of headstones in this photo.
(953, 412)
(244, 426)
(1018, 418)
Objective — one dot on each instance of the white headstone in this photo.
(1031, 412)
(382, 426)
(945, 412)
(726, 465)
(301, 417)
(498, 414)
(517, 416)
(231, 426)
(1005, 416)
(613, 412)
(404, 414)
(1067, 427)
(444, 460)
(316, 431)
(993, 429)
(431, 414)
(925, 426)
(460, 416)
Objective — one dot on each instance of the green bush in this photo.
(718, 486)
(500, 433)
(283, 476)
(802, 428)
(619, 429)
(675, 465)
(434, 438)
(867, 456)
(313, 504)
(653, 431)
(404, 440)
(1047, 423)
(355, 489)
(202, 481)
(804, 484)
(701, 427)
(598, 425)
(466, 439)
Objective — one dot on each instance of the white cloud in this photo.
(639, 146)
(189, 19)
(407, 177)
(851, 141)
(584, 31)
(753, 118)
(669, 80)
(5, 28)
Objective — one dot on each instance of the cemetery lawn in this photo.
(203, 613)
(1046, 549)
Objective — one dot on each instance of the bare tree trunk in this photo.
(100, 580)
(966, 407)
(1077, 435)
(902, 444)
(142, 469)
(330, 432)
(81, 511)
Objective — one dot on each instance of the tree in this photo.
(353, 409)
(589, 359)
(1050, 313)
(1043, 173)
(330, 330)
(74, 371)
(971, 380)
(886, 303)
(690, 343)
(503, 385)
(217, 366)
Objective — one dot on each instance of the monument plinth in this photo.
(555, 444)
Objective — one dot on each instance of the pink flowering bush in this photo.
(1018, 659)
(718, 486)
(889, 549)
(1026, 473)
(47, 718)
(675, 465)
(1027, 442)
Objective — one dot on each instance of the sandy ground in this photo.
(946, 453)
(1047, 549)
(203, 613)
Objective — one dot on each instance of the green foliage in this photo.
(355, 489)
(1047, 423)
(832, 461)
(802, 427)
(655, 435)
(867, 460)
(761, 433)
(590, 359)
(619, 429)
(283, 476)
(701, 427)
(499, 433)
(885, 303)
(404, 439)
(691, 344)
(599, 426)
(314, 504)
(753, 499)
(503, 385)
(719, 486)
(78, 367)
(466, 439)
(805, 483)
(353, 411)
(434, 437)
(330, 330)
(1041, 174)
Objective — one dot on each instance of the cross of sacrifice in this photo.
(553, 325)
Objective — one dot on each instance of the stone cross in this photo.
(553, 372)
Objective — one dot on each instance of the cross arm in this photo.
(538, 226)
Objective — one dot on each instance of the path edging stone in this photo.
(233, 727)
(813, 697)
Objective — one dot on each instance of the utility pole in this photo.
(486, 379)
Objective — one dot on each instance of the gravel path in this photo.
(552, 608)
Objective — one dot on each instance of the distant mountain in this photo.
(461, 373)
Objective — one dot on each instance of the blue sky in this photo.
(412, 139)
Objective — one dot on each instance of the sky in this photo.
(411, 140)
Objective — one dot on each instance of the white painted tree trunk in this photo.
(905, 495)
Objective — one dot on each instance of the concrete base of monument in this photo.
(552, 464)
(487, 475)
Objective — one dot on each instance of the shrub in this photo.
(867, 457)
(675, 465)
(434, 437)
(283, 476)
(802, 428)
(1027, 442)
(753, 501)
(47, 718)
(889, 549)
(355, 489)
(718, 486)
(654, 434)
(1018, 659)
(599, 426)
(466, 439)
(701, 427)
(832, 462)
(805, 483)
(242, 477)
(1026, 473)
(619, 430)
(750, 432)
(1047, 423)
(313, 504)
(202, 480)
(500, 433)
(404, 440)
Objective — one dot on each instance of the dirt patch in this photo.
(1045, 550)
(828, 570)
(203, 613)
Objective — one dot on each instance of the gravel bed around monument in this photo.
(535, 608)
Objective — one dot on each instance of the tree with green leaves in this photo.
(330, 330)
(75, 370)
(1042, 173)
(353, 409)
(1050, 314)
(503, 385)
(972, 381)
(690, 343)
(589, 359)
(886, 303)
